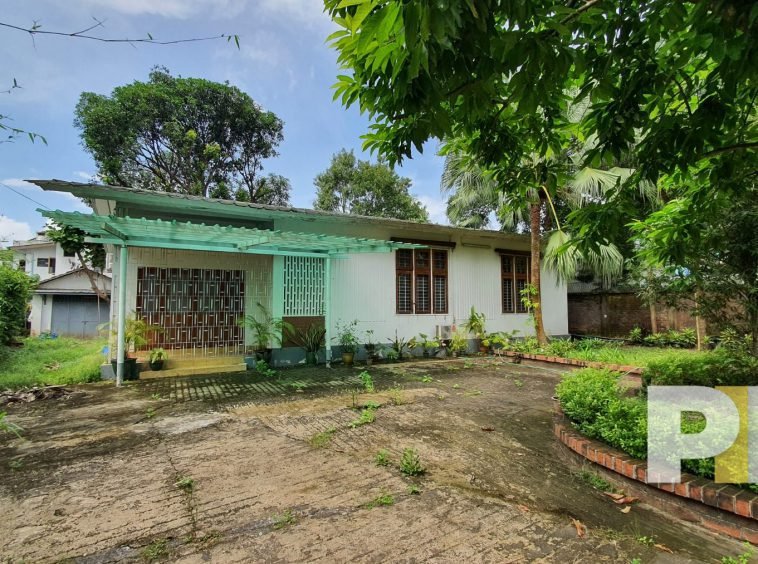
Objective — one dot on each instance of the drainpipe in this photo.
(121, 321)
(328, 310)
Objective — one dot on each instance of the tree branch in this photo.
(729, 149)
(35, 30)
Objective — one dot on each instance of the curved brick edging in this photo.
(632, 370)
(727, 509)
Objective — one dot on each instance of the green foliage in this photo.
(311, 339)
(399, 346)
(743, 558)
(636, 336)
(368, 416)
(735, 343)
(718, 368)
(185, 483)
(593, 480)
(155, 551)
(322, 439)
(413, 489)
(353, 186)
(347, 336)
(262, 367)
(157, 354)
(185, 135)
(71, 240)
(382, 458)
(684, 339)
(410, 463)
(267, 329)
(367, 381)
(560, 347)
(8, 427)
(458, 343)
(284, 519)
(475, 323)
(429, 345)
(51, 361)
(16, 289)
(383, 500)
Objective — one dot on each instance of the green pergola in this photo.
(125, 232)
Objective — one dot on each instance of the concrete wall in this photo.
(63, 264)
(41, 315)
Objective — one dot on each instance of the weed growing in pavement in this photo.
(397, 395)
(382, 458)
(322, 439)
(426, 379)
(410, 463)
(594, 481)
(368, 415)
(646, 541)
(413, 489)
(518, 383)
(16, 464)
(9, 427)
(383, 500)
(284, 519)
(155, 397)
(150, 413)
(155, 551)
(743, 558)
(185, 483)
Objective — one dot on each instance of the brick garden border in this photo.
(632, 370)
(721, 508)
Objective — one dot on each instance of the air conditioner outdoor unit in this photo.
(444, 332)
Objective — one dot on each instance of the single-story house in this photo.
(67, 305)
(195, 266)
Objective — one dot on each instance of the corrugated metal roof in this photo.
(248, 210)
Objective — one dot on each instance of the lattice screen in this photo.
(303, 286)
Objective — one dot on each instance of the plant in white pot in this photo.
(347, 337)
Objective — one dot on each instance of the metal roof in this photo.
(178, 203)
(141, 232)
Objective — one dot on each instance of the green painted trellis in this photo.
(303, 286)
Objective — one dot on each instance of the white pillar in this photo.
(121, 321)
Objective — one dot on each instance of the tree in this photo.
(713, 261)
(185, 135)
(90, 255)
(359, 187)
(16, 289)
(669, 84)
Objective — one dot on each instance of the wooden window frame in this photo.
(431, 272)
(515, 277)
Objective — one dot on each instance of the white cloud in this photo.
(308, 12)
(12, 230)
(24, 186)
(436, 208)
(86, 176)
(178, 9)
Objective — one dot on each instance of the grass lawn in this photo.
(51, 361)
(627, 355)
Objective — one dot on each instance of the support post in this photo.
(328, 310)
(121, 321)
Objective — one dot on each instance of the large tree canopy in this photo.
(351, 185)
(185, 135)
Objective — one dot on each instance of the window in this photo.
(514, 274)
(42, 262)
(421, 281)
(69, 254)
(51, 266)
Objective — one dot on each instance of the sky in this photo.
(283, 63)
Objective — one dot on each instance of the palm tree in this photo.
(474, 193)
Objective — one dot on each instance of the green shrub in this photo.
(684, 339)
(718, 368)
(559, 347)
(15, 292)
(585, 394)
(636, 335)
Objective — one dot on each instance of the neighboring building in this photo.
(195, 266)
(64, 301)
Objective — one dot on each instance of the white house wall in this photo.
(41, 314)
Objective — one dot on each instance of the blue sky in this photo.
(283, 63)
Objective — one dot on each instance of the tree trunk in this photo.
(92, 280)
(534, 225)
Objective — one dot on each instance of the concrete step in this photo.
(194, 370)
(200, 361)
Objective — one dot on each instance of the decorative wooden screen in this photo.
(197, 308)
(421, 281)
(303, 286)
(514, 274)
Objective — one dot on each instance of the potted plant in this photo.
(458, 343)
(370, 347)
(428, 344)
(475, 324)
(267, 331)
(310, 339)
(157, 358)
(347, 337)
(399, 345)
(136, 335)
